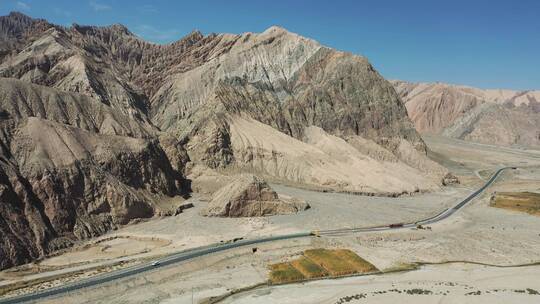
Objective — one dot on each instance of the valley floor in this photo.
(478, 233)
(450, 283)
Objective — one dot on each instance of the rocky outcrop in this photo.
(450, 179)
(501, 117)
(249, 195)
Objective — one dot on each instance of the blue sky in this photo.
(487, 44)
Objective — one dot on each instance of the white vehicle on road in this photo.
(156, 263)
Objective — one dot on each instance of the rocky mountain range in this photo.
(99, 125)
(502, 117)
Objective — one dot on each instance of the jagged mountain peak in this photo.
(19, 15)
(276, 28)
(15, 24)
(20, 19)
(277, 31)
(117, 29)
(193, 36)
(194, 33)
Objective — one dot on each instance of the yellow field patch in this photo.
(308, 268)
(528, 202)
(328, 260)
(316, 263)
(284, 273)
(357, 262)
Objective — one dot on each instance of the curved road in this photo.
(213, 248)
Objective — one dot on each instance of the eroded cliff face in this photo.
(337, 92)
(502, 117)
(62, 184)
(97, 124)
(288, 82)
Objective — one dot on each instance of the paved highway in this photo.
(439, 217)
(213, 248)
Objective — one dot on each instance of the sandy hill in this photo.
(98, 124)
(502, 117)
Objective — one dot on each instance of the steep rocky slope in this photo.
(62, 183)
(16, 29)
(78, 158)
(311, 86)
(97, 124)
(502, 117)
(288, 82)
(20, 100)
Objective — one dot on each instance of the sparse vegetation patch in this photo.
(317, 263)
(308, 268)
(284, 272)
(528, 202)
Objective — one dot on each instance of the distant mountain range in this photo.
(502, 117)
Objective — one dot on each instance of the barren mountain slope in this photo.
(16, 29)
(20, 100)
(97, 124)
(311, 86)
(63, 183)
(55, 60)
(288, 82)
(323, 160)
(499, 124)
(490, 116)
(65, 173)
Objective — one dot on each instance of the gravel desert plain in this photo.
(134, 172)
(480, 254)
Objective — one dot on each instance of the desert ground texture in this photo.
(479, 254)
